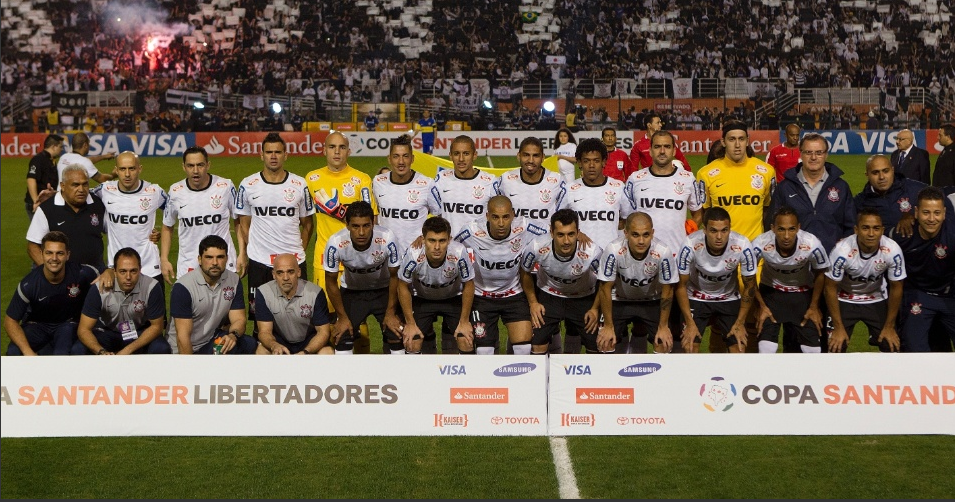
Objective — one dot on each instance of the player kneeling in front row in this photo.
(637, 275)
(127, 318)
(207, 306)
(791, 283)
(436, 280)
(855, 284)
(566, 286)
(709, 288)
(292, 313)
(369, 284)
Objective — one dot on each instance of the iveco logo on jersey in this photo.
(403, 214)
(208, 219)
(460, 208)
(739, 200)
(646, 202)
(500, 265)
(515, 369)
(637, 370)
(597, 215)
(534, 214)
(275, 211)
(125, 219)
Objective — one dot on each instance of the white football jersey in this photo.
(791, 273)
(637, 280)
(130, 218)
(462, 200)
(714, 278)
(199, 213)
(441, 282)
(364, 270)
(275, 209)
(538, 201)
(861, 279)
(599, 209)
(666, 199)
(403, 208)
(497, 262)
(566, 277)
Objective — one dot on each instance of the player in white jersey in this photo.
(709, 288)
(790, 284)
(131, 205)
(201, 204)
(665, 192)
(436, 279)
(275, 217)
(566, 287)
(369, 256)
(405, 197)
(498, 242)
(637, 274)
(856, 284)
(535, 192)
(598, 200)
(464, 190)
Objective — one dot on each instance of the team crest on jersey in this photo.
(228, 293)
(144, 203)
(804, 247)
(215, 201)
(735, 248)
(730, 263)
(698, 246)
(414, 196)
(449, 272)
(916, 309)
(649, 267)
(833, 194)
(306, 311)
(610, 196)
(139, 306)
(477, 191)
(377, 256)
(348, 190)
(879, 265)
(576, 269)
(73, 290)
(545, 195)
(289, 194)
(904, 205)
(94, 220)
(515, 245)
(679, 188)
(761, 169)
(756, 181)
(941, 251)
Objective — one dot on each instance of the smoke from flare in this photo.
(140, 20)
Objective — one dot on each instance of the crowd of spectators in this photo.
(335, 51)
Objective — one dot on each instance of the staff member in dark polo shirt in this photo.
(42, 172)
(75, 212)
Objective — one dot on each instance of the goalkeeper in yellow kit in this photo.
(333, 188)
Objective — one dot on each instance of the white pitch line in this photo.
(566, 481)
(490, 163)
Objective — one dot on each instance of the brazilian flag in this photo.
(529, 17)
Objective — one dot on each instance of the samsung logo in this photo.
(635, 370)
(515, 369)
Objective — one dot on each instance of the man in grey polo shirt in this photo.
(292, 314)
(207, 304)
(126, 319)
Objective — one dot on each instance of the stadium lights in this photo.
(549, 106)
(277, 108)
(487, 104)
(198, 105)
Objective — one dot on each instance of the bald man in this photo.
(333, 188)
(910, 160)
(292, 313)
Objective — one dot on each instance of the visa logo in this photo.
(577, 369)
(452, 369)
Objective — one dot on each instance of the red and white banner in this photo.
(736, 394)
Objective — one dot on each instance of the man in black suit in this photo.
(944, 174)
(909, 159)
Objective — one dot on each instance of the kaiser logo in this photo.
(833, 194)
(414, 196)
(139, 306)
(916, 309)
(442, 420)
(904, 205)
(718, 394)
(216, 201)
(228, 293)
(605, 395)
(479, 395)
(214, 147)
(638, 370)
(515, 369)
(569, 420)
(306, 311)
(545, 195)
(756, 181)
